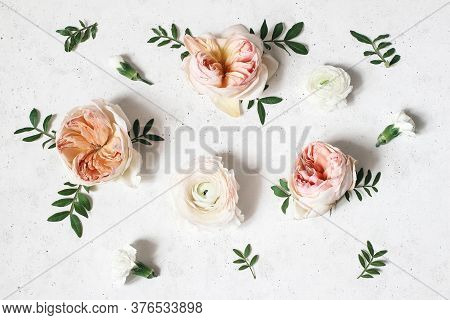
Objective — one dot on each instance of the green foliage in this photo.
(287, 41)
(261, 102)
(45, 131)
(366, 185)
(161, 34)
(376, 47)
(127, 70)
(371, 267)
(145, 137)
(77, 35)
(79, 203)
(282, 191)
(245, 261)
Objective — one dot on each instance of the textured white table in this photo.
(299, 259)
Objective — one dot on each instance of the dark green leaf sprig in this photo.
(79, 202)
(261, 102)
(282, 191)
(376, 47)
(161, 34)
(293, 32)
(35, 118)
(245, 261)
(77, 35)
(366, 186)
(145, 137)
(368, 262)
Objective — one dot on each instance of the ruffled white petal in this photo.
(122, 263)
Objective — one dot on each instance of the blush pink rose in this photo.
(321, 177)
(94, 144)
(228, 67)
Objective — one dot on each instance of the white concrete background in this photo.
(314, 259)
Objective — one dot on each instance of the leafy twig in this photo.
(366, 186)
(282, 191)
(161, 33)
(368, 262)
(75, 35)
(80, 202)
(377, 47)
(244, 260)
(145, 137)
(260, 102)
(35, 119)
(293, 32)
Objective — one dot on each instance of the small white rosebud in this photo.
(402, 124)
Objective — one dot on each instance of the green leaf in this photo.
(156, 31)
(369, 53)
(153, 39)
(163, 31)
(176, 46)
(84, 201)
(263, 31)
(27, 129)
(82, 23)
(366, 276)
(70, 184)
(361, 260)
(360, 37)
(136, 127)
(347, 196)
(87, 188)
(76, 225)
(389, 53)
(279, 45)
(285, 205)
(271, 100)
(378, 263)
(71, 28)
(34, 117)
(154, 137)
(80, 209)
(148, 126)
(366, 255)
(184, 55)
(377, 178)
(86, 35)
(375, 189)
(367, 191)
(52, 146)
(368, 177)
(268, 47)
(67, 192)
(239, 261)
(62, 202)
(277, 31)
(243, 267)
(46, 122)
(370, 248)
(64, 32)
(174, 31)
(359, 176)
(239, 253)
(261, 112)
(250, 104)
(381, 37)
(254, 260)
(94, 30)
(32, 138)
(279, 192)
(67, 45)
(294, 31)
(284, 184)
(358, 195)
(163, 43)
(45, 142)
(58, 216)
(373, 271)
(143, 141)
(380, 253)
(376, 61)
(248, 250)
(383, 45)
(297, 47)
(188, 31)
(394, 60)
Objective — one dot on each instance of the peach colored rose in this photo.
(228, 67)
(321, 177)
(93, 141)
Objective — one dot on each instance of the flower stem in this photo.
(251, 268)
(45, 133)
(380, 55)
(173, 39)
(143, 271)
(144, 80)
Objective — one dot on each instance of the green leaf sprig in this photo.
(145, 137)
(366, 186)
(282, 191)
(35, 117)
(245, 261)
(161, 34)
(77, 35)
(80, 203)
(293, 32)
(376, 47)
(261, 102)
(367, 260)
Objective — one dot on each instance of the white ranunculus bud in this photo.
(329, 87)
(126, 69)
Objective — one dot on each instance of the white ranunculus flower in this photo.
(207, 196)
(402, 124)
(329, 87)
(124, 262)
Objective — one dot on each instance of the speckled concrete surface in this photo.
(299, 259)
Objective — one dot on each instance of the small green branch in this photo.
(377, 51)
(51, 136)
(365, 269)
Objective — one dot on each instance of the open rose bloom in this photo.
(207, 196)
(321, 176)
(228, 67)
(94, 144)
